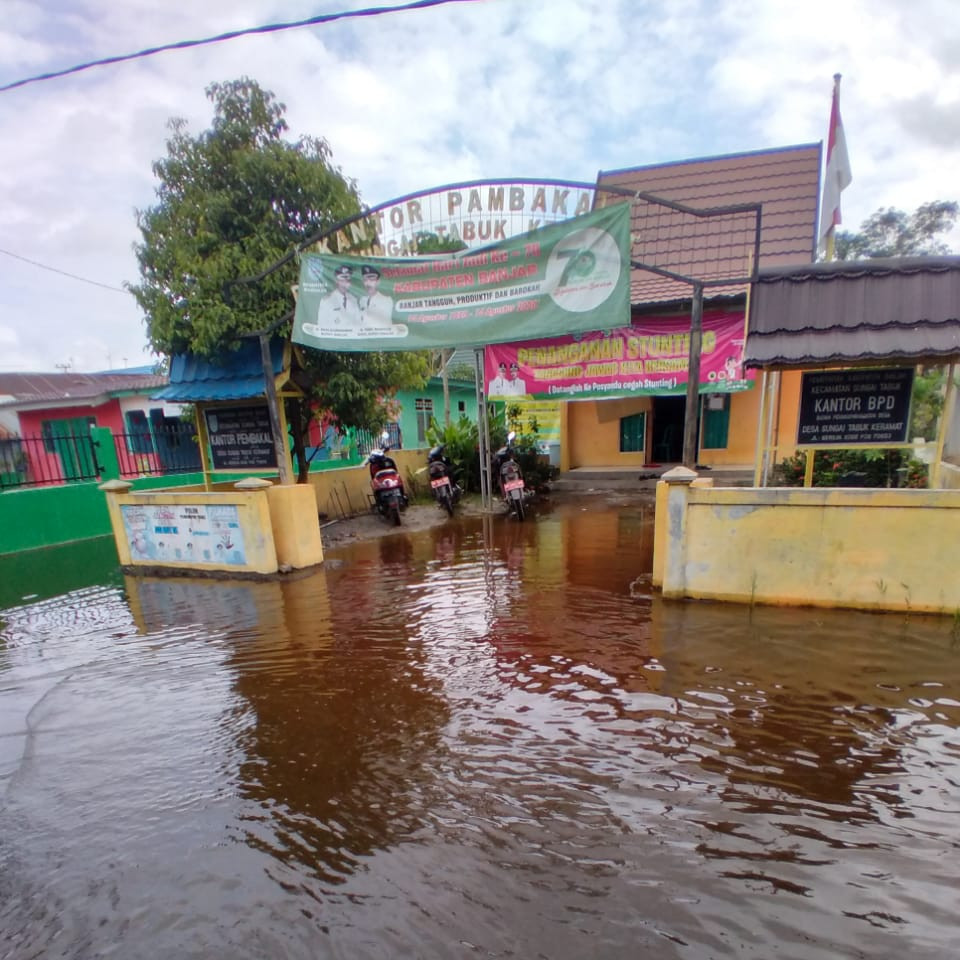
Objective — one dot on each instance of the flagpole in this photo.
(831, 251)
(837, 175)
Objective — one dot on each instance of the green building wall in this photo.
(462, 392)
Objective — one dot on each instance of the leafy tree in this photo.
(926, 403)
(232, 201)
(892, 233)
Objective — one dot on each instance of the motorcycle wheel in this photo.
(395, 513)
(446, 501)
(518, 508)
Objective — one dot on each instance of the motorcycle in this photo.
(446, 490)
(389, 496)
(509, 477)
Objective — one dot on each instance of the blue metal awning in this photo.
(238, 376)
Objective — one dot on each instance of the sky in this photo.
(483, 89)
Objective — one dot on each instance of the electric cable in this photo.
(232, 35)
(63, 273)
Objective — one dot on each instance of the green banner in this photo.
(569, 277)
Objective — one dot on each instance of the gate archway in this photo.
(666, 240)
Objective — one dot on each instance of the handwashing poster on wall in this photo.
(200, 533)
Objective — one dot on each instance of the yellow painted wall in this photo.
(295, 522)
(831, 547)
(253, 515)
(593, 432)
(949, 476)
(345, 491)
(789, 411)
(742, 435)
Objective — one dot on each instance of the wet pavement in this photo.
(485, 738)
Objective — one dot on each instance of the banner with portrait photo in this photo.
(572, 276)
(649, 357)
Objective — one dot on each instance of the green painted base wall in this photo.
(45, 516)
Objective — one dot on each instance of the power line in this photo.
(232, 35)
(63, 273)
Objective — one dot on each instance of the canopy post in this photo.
(692, 414)
(273, 408)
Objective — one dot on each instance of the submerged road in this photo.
(486, 739)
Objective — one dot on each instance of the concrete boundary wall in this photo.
(828, 547)
(345, 491)
(35, 517)
(949, 476)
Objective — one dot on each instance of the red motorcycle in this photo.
(389, 496)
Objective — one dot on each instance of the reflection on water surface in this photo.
(486, 739)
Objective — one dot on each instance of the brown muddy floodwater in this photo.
(482, 740)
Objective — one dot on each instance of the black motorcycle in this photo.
(446, 490)
(508, 477)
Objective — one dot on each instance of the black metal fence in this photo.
(159, 451)
(367, 441)
(47, 459)
(66, 457)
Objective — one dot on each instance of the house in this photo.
(419, 407)
(52, 414)
(783, 184)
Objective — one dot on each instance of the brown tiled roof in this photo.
(785, 183)
(855, 311)
(38, 388)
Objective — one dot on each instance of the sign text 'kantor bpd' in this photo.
(855, 407)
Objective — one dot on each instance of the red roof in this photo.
(784, 182)
(70, 388)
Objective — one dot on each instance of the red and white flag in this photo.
(837, 175)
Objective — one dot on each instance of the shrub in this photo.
(462, 442)
(832, 468)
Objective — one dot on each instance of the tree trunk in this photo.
(445, 357)
(295, 411)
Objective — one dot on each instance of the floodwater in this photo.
(483, 740)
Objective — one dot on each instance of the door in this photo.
(716, 421)
(70, 440)
(667, 429)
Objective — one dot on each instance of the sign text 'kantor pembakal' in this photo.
(241, 438)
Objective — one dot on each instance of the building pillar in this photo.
(673, 537)
(107, 459)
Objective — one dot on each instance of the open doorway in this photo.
(667, 429)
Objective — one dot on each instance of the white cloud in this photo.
(551, 88)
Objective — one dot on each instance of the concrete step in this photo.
(618, 478)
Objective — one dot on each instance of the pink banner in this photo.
(649, 357)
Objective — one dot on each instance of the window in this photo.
(461, 406)
(424, 408)
(633, 433)
(138, 432)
